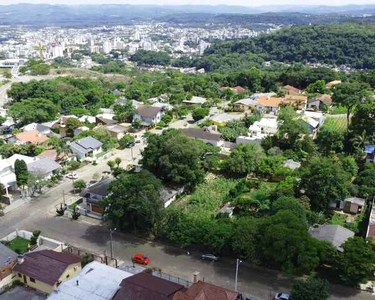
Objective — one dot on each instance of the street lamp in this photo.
(111, 231)
(238, 261)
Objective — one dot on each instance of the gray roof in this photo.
(98, 189)
(167, 193)
(43, 166)
(6, 255)
(148, 111)
(335, 234)
(291, 164)
(86, 144)
(356, 200)
(247, 102)
(202, 134)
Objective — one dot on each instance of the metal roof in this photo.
(6, 255)
(335, 234)
(43, 166)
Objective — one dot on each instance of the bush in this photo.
(34, 238)
(73, 165)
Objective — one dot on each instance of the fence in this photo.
(172, 278)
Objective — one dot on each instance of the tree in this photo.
(126, 140)
(324, 181)
(356, 264)
(72, 124)
(349, 95)
(37, 110)
(118, 161)
(199, 113)
(111, 164)
(133, 201)
(7, 74)
(124, 113)
(174, 157)
(244, 239)
(244, 159)
(79, 184)
(330, 140)
(363, 118)
(22, 174)
(366, 182)
(318, 87)
(313, 288)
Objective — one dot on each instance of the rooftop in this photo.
(46, 265)
(43, 166)
(206, 291)
(148, 111)
(6, 255)
(96, 281)
(86, 144)
(335, 234)
(202, 134)
(32, 136)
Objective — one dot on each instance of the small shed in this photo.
(354, 205)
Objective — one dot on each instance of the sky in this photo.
(196, 2)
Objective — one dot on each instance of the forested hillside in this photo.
(349, 44)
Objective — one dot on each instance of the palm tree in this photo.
(40, 48)
(360, 141)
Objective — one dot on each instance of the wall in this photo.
(71, 271)
(38, 285)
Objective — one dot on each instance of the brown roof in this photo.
(148, 111)
(46, 265)
(51, 154)
(327, 99)
(333, 83)
(291, 89)
(206, 291)
(32, 136)
(144, 286)
(270, 102)
(104, 121)
(202, 134)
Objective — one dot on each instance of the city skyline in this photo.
(256, 3)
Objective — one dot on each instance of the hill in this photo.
(339, 44)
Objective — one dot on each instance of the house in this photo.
(312, 124)
(317, 116)
(86, 147)
(43, 129)
(291, 164)
(80, 129)
(88, 119)
(117, 131)
(148, 115)
(25, 158)
(318, 102)
(195, 101)
(31, 137)
(264, 127)
(93, 194)
(335, 234)
(60, 125)
(7, 176)
(331, 84)
(45, 270)
(206, 291)
(288, 89)
(51, 154)
(96, 281)
(144, 286)
(8, 259)
(354, 205)
(224, 118)
(207, 135)
(245, 104)
(168, 195)
(297, 101)
(268, 104)
(44, 167)
(370, 153)
(104, 119)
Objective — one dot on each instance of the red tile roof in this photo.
(206, 291)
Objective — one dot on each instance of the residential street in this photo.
(91, 235)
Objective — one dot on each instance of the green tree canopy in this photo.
(22, 174)
(313, 288)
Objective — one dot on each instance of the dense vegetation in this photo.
(143, 57)
(344, 44)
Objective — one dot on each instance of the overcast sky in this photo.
(196, 2)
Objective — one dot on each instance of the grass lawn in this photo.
(338, 124)
(338, 110)
(19, 245)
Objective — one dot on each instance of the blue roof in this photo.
(370, 149)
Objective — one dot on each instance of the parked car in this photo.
(72, 175)
(282, 296)
(140, 259)
(209, 257)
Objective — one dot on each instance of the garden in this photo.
(335, 123)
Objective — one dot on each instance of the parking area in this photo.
(22, 293)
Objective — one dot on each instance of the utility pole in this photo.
(64, 199)
(111, 231)
(236, 278)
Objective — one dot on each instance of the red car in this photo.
(141, 259)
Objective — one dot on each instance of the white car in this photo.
(282, 296)
(72, 175)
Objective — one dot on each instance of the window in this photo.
(67, 276)
(19, 275)
(32, 279)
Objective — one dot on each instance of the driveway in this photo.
(22, 293)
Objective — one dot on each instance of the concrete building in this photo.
(87, 147)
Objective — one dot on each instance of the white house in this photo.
(264, 127)
(7, 176)
(44, 167)
(87, 147)
(148, 115)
